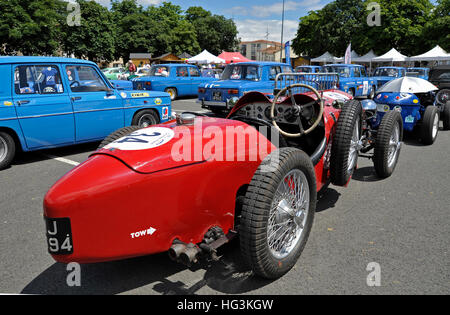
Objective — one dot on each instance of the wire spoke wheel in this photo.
(288, 214)
(394, 147)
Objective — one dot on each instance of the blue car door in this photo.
(98, 109)
(183, 81)
(43, 106)
(196, 79)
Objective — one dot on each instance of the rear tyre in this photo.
(145, 118)
(7, 149)
(446, 116)
(116, 135)
(388, 144)
(172, 92)
(430, 125)
(346, 143)
(278, 213)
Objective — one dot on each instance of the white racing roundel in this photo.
(143, 139)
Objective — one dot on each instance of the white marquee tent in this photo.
(367, 58)
(435, 54)
(326, 57)
(205, 57)
(391, 56)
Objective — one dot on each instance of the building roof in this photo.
(39, 59)
(140, 56)
(262, 41)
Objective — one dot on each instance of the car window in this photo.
(85, 79)
(182, 72)
(274, 71)
(194, 72)
(363, 72)
(38, 79)
(341, 71)
(241, 72)
(159, 71)
(356, 72)
(287, 70)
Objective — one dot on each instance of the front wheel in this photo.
(7, 149)
(278, 212)
(430, 125)
(388, 144)
(145, 118)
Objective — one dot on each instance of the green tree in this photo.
(31, 27)
(437, 30)
(215, 33)
(94, 39)
(343, 21)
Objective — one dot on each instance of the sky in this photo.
(253, 18)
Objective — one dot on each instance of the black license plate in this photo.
(217, 96)
(59, 236)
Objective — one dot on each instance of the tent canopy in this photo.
(437, 53)
(366, 58)
(391, 56)
(326, 57)
(233, 57)
(408, 85)
(205, 57)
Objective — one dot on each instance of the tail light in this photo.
(233, 92)
(148, 84)
(201, 90)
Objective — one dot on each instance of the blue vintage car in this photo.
(418, 110)
(418, 72)
(309, 69)
(386, 74)
(48, 102)
(353, 79)
(175, 79)
(237, 79)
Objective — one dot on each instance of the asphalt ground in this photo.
(400, 224)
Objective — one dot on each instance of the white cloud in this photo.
(250, 29)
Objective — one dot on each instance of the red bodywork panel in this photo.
(116, 194)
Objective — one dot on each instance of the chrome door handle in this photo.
(77, 98)
(22, 102)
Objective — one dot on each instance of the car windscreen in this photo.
(418, 71)
(341, 71)
(241, 72)
(386, 72)
(159, 71)
(303, 69)
(441, 75)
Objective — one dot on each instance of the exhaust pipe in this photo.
(190, 255)
(176, 249)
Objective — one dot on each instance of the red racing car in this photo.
(188, 186)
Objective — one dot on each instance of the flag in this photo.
(287, 49)
(348, 55)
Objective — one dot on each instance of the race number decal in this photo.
(335, 96)
(365, 87)
(143, 139)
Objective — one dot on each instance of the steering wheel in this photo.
(297, 110)
(75, 82)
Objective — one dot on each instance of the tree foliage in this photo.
(411, 26)
(39, 27)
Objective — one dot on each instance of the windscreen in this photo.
(241, 72)
(386, 72)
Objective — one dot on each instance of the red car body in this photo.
(124, 204)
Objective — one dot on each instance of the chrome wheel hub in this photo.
(288, 214)
(3, 149)
(394, 146)
(356, 144)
